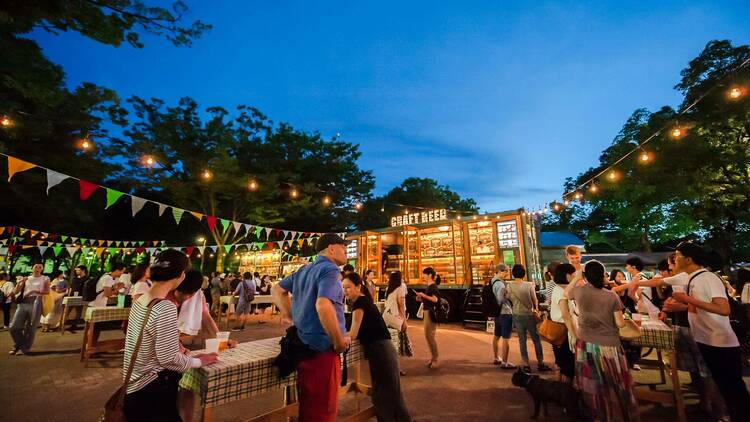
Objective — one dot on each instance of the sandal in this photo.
(497, 362)
(507, 365)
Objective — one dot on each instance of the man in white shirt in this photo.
(708, 313)
(107, 286)
(125, 279)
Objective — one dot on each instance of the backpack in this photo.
(89, 289)
(442, 310)
(490, 306)
(248, 292)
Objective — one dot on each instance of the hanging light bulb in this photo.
(593, 188)
(326, 200)
(206, 175)
(612, 175)
(358, 206)
(578, 195)
(473, 217)
(556, 207)
(148, 161)
(293, 193)
(677, 132)
(644, 157)
(252, 185)
(566, 202)
(6, 122)
(735, 93)
(382, 208)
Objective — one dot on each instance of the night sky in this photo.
(499, 101)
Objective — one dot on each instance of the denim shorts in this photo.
(504, 325)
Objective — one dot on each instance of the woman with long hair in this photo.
(430, 300)
(560, 311)
(369, 328)
(394, 313)
(368, 279)
(152, 387)
(141, 283)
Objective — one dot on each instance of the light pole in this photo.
(202, 240)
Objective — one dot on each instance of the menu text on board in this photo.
(419, 217)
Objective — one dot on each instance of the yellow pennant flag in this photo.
(99, 251)
(16, 166)
(197, 215)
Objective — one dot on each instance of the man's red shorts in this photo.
(318, 386)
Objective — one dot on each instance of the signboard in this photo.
(507, 234)
(419, 217)
(351, 250)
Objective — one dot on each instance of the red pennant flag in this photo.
(270, 245)
(11, 249)
(86, 189)
(306, 234)
(211, 220)
(140, 250)
(189, 250)
(278, 232)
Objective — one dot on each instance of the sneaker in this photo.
(636, 367)
(236, 329)
(21, 352)
(543, 368)
(497, 362)
(508, 365)
(13, 351)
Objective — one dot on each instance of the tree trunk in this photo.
(220, 260)
(645, 243)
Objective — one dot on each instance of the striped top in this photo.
(160, 347)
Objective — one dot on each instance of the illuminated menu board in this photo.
(351, 250)
(507, 234)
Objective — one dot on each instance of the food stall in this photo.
(262, 262)
(461, 249)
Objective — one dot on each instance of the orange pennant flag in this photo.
(99, 251)
(197, 215)
(16, 166)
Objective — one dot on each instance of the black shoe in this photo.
(543, 368)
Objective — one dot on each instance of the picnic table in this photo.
(231, 301)
(247, 370)
(97, 315)
(69, 303)
(661, 337)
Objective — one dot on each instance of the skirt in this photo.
(605, 383)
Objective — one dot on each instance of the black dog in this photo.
(545, 391)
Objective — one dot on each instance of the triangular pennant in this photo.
(277, 232)
(39, 242)
(136, 204)
(140, 250)
(228, 248)
(177, 214)
(237, 227)
(99, 251)
(258, 230)
(211, 220)
(213, 248)
(286, 233)
(270, 244)
(11, 249)
(112, 197)
(54, 178)
(42, 249)
(299, 242)
(64, 238)
(57, 250)
(84, 241)
(189, 250)
(141, 243)
(100, 242)
(201, 249)
(248, 227)
(33, 232)
(16, 166)
(225, 224)
(23, 231)
(281, 244)
(151, 250)
(2, 229)
(112, 251)
(86, 189)
(162, 207)
(268, 233)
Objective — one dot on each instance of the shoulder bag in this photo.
(552, 332)
(114, 408)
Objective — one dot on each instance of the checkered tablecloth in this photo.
(74, 301)
(247, 370)
(229, 299)
(656, 334)
(106, 313)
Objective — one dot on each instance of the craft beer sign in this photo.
(419, 217)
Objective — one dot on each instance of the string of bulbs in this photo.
(672, 128)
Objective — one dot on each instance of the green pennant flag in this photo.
(113, 196)
(177, 214)
(57, 250)
(112, 251)
(228, 248)
(225, 223)
(84, 240)
(141, 243)
(257, 231)
(64, 238)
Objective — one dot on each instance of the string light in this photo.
(556, 207)
(677, 132)
(566, 202)
(735, 93)
(578, 195)
(326, 200)
(593, 188)
(148, 161)
(612, 175)
(206, 175)
(644, 157)
(252, 185)
(358, 206)
(6, 122)
(293, 193)
(85, 145)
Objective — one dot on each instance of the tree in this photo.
(208, 165)
(696, 180)
(413, 192)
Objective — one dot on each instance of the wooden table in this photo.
(70, 302)
(248, 370)
(661, 338)
(231, 301)
(96, 315)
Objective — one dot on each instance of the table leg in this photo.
(85, 340)
(208, 414)
(63, 318)
(679, 401)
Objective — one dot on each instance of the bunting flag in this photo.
(11, 249)
(136, 204)
(237, 226)
(177, 214)
(277, 232)
(189, 250)
(211, 220)
(257, 231)
(112, 197)
(53, 179)
(197, 215)
(162, 207)
(227, 248)
(42, 249)
(112, 251)
(151, 251)
(286, 233)
(213, 248)
(86, 189)
(16, 166)
(268, 233)
(281, 244)
(57, 249)
(201, 249)
(225, 224)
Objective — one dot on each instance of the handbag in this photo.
(114, 408)
(630, 331)
(552, 332)
(420, 311)
(404, 345)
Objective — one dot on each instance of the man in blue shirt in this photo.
(318, 314)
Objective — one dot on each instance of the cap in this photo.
(501, 267)
(329, 239)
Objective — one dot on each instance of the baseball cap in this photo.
(329, 239)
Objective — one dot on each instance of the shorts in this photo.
(243, 308)
(504, 326)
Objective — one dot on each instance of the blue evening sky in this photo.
(499, 100)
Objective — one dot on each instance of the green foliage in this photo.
(696, 184)
(413, 192)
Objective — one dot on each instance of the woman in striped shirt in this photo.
(152, 391)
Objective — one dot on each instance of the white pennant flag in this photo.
(54, 178)
(286, 232)
(151, 250)
(3, 251)
(74, 239)
(201, 249)
(268, 233)
(71, 250)
(136, 204)
(237, 226)
(248, 227)
(42, 249)
(162, 207)
(213, 248)
(281, 244)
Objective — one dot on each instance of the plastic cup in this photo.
(212, 345)
(223, 337)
